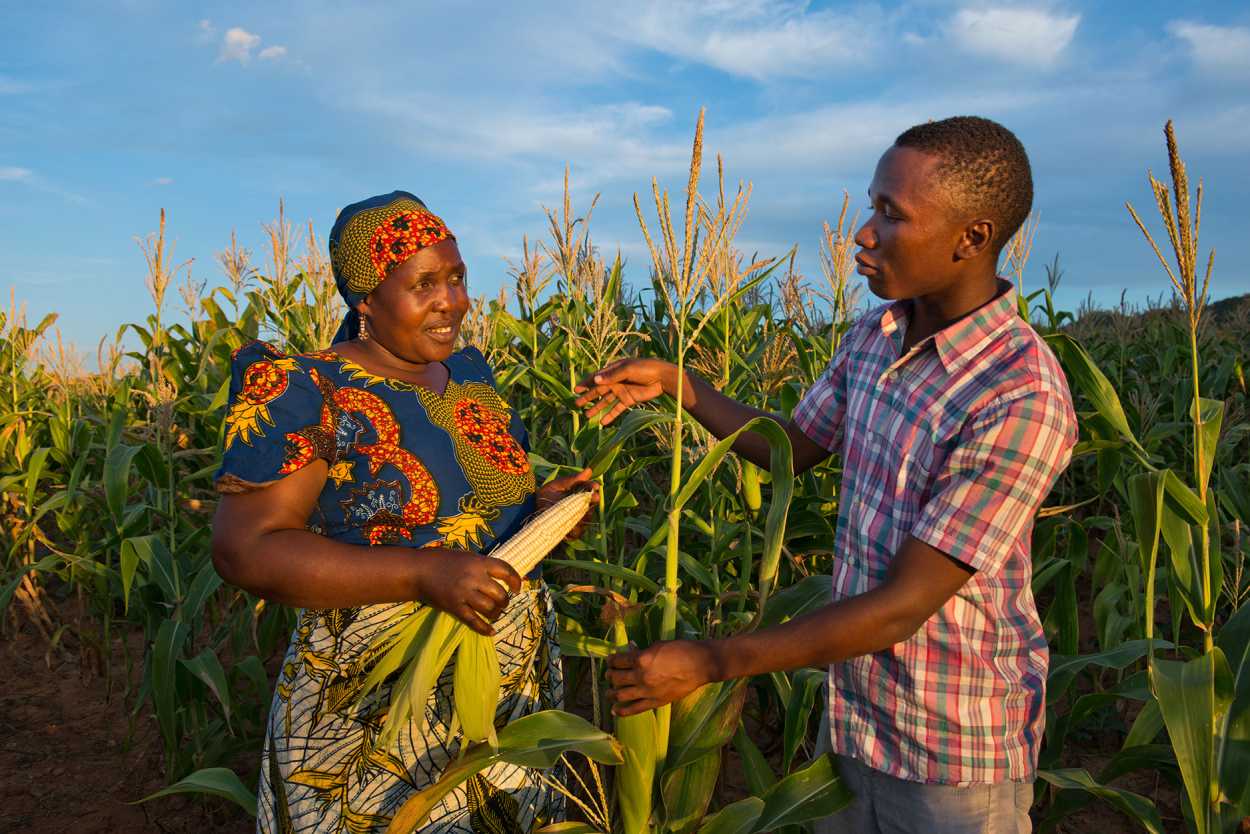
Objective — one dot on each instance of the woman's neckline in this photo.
(393, 381)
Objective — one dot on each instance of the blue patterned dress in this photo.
(407, 467)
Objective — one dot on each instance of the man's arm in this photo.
(630, 382)
(920, 581)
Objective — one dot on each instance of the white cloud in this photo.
(163, 181)
(1220, 50)
(272, 53)
(14, 174)
(206, 32)
(1031, 37)
(759, 39)
(237, 45)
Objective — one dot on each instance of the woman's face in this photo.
(416, 312)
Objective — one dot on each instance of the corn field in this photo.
(1139, 554)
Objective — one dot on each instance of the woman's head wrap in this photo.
(371, 238)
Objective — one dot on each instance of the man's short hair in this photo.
(983, 168)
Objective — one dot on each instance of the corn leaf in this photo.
(475, 682)
(738, 818)
(170, 638)
(806, 688)
(704, 721)
(1233, 732)
(538, 740)
(686, 792)
(1192, 696)
(1087, 378)
(211, 781)
(207, 668)
(1135, 805)
(755, 768)
(117, 478)
(807, 794)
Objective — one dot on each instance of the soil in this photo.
(69, 759)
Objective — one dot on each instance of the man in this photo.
(953, 420)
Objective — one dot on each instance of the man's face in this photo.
(907, 245)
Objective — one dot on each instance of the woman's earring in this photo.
(364, 331)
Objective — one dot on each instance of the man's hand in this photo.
(644, 680)
(626, 383)
(550, 493)
(464, 585)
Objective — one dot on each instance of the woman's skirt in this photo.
(322, 770)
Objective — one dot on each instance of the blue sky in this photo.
(109, 112)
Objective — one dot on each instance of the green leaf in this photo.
(755, 768)
(1087, 378)
(1233, 732)
(807, 684)
(1135, 805)
(1064, 669)
(203, 586)
(631, 424)
(537, 740)
(34, 469)
(568, 828)
(213, 781)
(155, 556)
(781, 468)
(738, 818)
(475, 680)
(808, 594)
(1146, 502)
(1191, 697)
(807, 794)
(687, 791)
(117, 478)
(704, 720)
(627, 575)
(1210, 418)
(165, 651)
(207, 668)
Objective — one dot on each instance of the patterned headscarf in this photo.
(371, 238)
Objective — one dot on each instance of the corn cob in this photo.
(422, 644)
(542, 533)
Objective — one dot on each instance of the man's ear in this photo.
(975, 240)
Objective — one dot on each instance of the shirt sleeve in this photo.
(821, 413)
(273, 421)
(1008, 458)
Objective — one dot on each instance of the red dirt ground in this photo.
(65, 759)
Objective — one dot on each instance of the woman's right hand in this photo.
(465, 585)
(626, 383)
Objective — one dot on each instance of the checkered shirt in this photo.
(956, 443)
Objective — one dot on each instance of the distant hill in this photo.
(1229, 309)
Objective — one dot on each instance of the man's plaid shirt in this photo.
(956, 443)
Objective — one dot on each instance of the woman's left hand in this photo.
(550, 493)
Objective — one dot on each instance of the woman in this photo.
(359, 482)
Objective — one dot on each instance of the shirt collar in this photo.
(960, 341)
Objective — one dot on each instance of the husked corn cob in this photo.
(542, 533)
(421, 645)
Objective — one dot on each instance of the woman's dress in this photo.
(412, 468)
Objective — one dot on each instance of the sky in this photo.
(110, 112)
